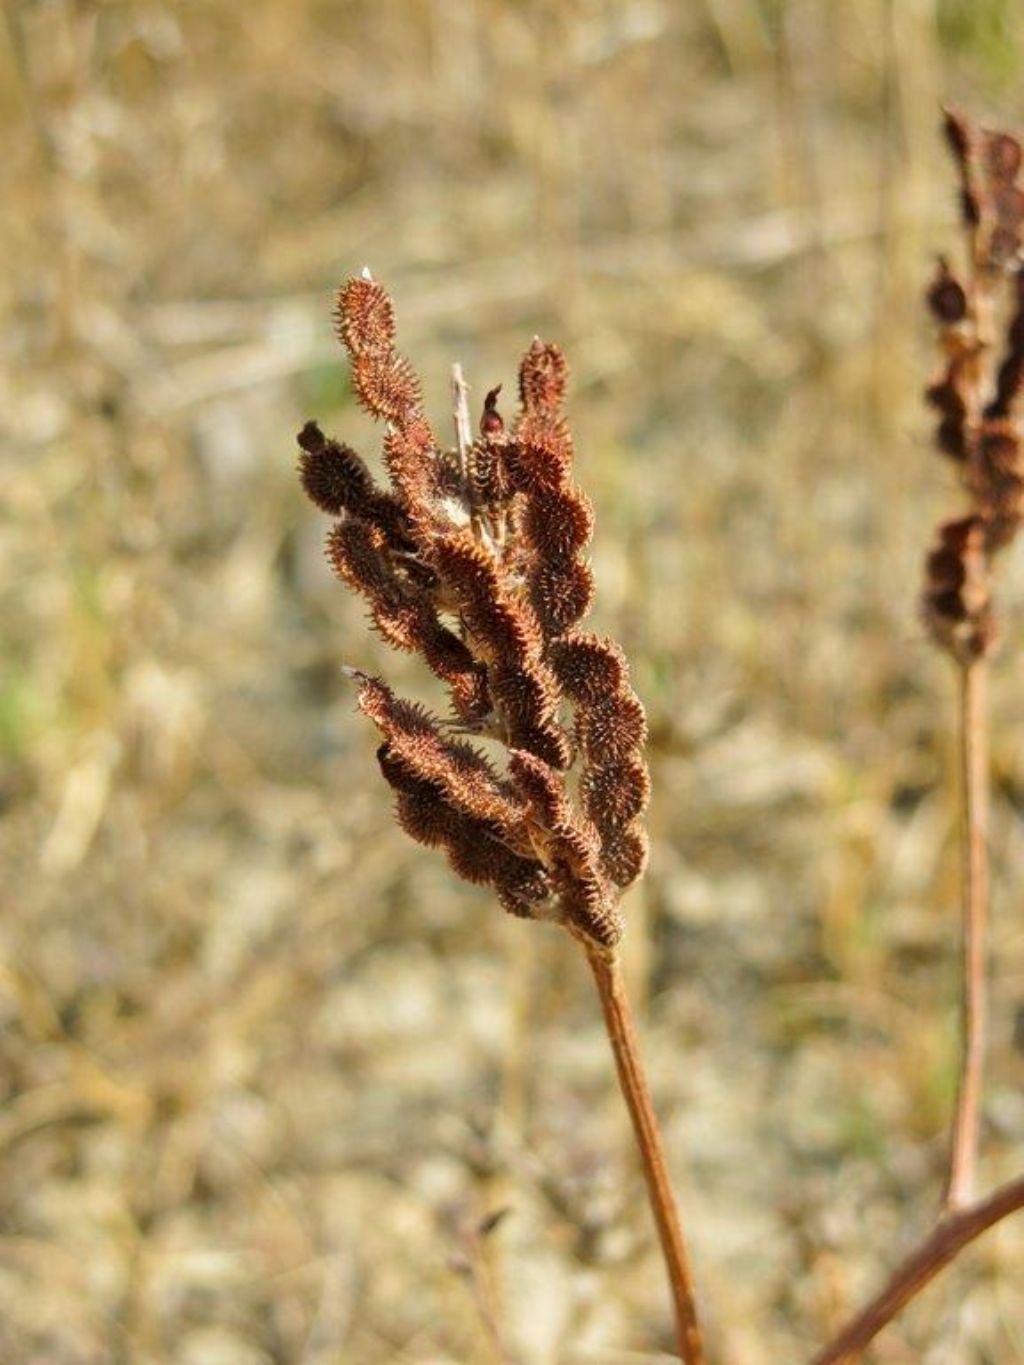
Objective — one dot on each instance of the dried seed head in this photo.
(978, 395)
(478, 566)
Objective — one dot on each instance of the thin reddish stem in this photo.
(973, 723)
(941, 1246)
(618, 1018)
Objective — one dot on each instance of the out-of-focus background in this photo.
(265, 1066)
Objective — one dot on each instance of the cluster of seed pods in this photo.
(474, 559)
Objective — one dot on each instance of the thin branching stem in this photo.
(460, 419)
(942, 1245)
(973, 738)
(618, 1018)
(463, 439)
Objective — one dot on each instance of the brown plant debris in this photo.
(977, 395)
(480, 568)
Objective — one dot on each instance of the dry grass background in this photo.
(263, 1063)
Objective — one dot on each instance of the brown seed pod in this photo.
(947, 297)
(336, 480)
(364, 317)
(588, 667)
(957, 604)
(543, 376)
(561, 595)
(624, 855)
(387, 386)
(539, 455)
(417, 748)
(558, 523)
(614, 794)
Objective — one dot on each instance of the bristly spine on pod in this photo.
(479, 566)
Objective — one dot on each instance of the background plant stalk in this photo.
(973, 736)
(942, 1245)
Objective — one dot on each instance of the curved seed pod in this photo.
(559, 835)
(358, 554)
(364, 316)
(528, 693)
(539, 456)
(558, 523)
(417, 749)
(387, 387)
(404, 615)
(502, 625)
(336, 479)
(957, 604)
(589, 906)
(588, 667)
(521, 886)
(611, 728)
(614, 794)
(568, 848)
(543, 376)
(546, 740)
(489, 474)
(414, 465)
(561, 595)
(624, 855)
(474, 854)
(610, 731)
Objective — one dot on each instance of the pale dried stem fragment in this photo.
(463, 439)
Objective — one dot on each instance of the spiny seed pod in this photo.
(336, 480)
(475, 560)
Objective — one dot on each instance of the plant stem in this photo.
(463, 440)
(973, 724)
(618, 1018)
(942, 1245)
(460, 419)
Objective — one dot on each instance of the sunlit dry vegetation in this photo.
(268, 1071)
